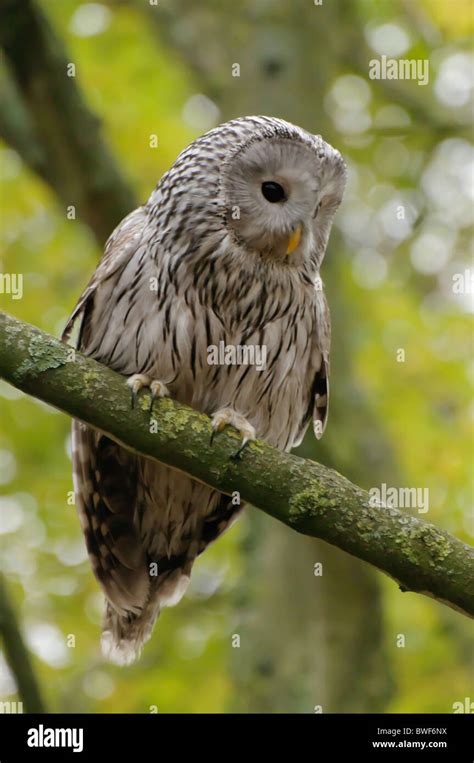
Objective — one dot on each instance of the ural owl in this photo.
(226, 252)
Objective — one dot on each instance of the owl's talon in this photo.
(157, 388)
(238, 453)
(136, 382)
(227, 416)
(218, 425)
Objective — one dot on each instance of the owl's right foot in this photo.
(227, 416)
(139, 381)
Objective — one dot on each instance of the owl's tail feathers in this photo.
(123, 636)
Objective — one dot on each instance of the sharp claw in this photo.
(216, 427)
(238, 453)
(136, 382)
(157, 389)
(227, 416)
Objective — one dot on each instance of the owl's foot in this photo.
(228, 417)
(157, 388)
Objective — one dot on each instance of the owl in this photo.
(225, 254)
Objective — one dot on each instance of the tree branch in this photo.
(305, 495)
(17, 654)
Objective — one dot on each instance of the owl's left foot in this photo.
(139, 381)
(228, 417)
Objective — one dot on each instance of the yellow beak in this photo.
(294, 240)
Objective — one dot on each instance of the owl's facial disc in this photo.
(273, 189)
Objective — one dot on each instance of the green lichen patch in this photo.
(44, 355)
(91, 380)
(308, 504)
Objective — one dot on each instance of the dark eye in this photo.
(273, 192)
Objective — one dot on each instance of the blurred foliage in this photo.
(396, 275)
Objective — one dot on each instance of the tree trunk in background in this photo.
(317, 640)
(306, 641)
(46, 119)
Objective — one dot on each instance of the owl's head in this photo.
(281, 187)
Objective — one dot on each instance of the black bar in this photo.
(133, 738)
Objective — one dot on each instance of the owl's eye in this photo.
(273, 192)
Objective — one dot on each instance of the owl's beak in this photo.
(294, 239)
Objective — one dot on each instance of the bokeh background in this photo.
(157, 76)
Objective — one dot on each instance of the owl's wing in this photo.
(321, 399)
(105, 485)
(120, 246)
(320, 388)
(318, 373)
(105, 475)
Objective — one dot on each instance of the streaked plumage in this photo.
(203, 261)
